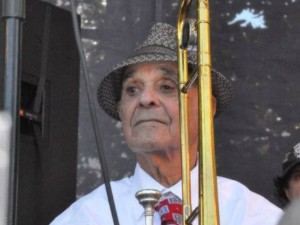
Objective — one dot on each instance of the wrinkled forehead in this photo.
(167, 68)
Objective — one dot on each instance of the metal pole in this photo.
(13, 13)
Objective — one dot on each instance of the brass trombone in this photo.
(208, 195)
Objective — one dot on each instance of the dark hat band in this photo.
(154, 50)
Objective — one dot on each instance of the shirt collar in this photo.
(142, 180)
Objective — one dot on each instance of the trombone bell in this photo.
(148, 198)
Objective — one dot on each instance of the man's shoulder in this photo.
(226, 181)
(228, 186)
(87, 208)
(234, 189)
(118, 187)
(237, 199)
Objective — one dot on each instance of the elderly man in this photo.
(142, 92)
(288, 184)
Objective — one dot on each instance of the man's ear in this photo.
(119, 110)
(214, 102)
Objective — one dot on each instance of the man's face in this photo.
(149, 108)
(293, 190)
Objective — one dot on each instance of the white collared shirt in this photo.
(237, 204)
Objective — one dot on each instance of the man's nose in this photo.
(149, 98)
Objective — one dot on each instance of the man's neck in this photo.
(164, 167)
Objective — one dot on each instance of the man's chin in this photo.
(151, 146)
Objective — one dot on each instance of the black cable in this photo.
(93, 115)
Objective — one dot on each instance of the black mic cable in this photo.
(95, 123)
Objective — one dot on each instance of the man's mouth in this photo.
(149, 121)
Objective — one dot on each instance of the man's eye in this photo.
(131, 90)
(168, 88)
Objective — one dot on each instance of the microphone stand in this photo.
(13, 14)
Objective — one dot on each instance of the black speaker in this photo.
(47, 158)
